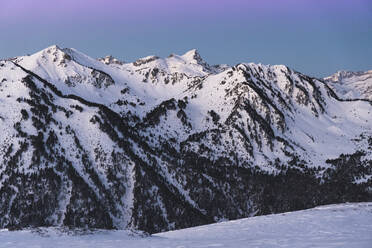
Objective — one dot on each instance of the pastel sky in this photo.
(317, 37)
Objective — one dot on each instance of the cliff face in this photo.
(162, 144)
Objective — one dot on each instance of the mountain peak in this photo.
(109, 59)
(340, 75)
(349, 84)
(53, 54)
(193, 56)
(51, 49)
(55, 47)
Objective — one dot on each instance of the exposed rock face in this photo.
(162, 144)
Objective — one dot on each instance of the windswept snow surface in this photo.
(343, 225)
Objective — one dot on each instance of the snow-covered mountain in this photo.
(341, 226)
(352, 85)
(167, 143)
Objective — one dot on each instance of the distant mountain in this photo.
(352, 85)
(167, 143)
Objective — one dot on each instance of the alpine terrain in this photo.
(351, 85)
(168, 143)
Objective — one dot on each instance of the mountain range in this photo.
(167, 143)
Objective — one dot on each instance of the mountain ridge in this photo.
(351, 85)
(165, 144)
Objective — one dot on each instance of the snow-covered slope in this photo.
(352, 85)
(167, 143)
(341, 226)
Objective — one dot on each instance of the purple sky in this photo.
(148, 9)
(314, 36)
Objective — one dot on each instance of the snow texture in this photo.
(331, 226)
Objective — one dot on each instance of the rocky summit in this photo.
(168, 143)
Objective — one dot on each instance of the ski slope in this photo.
(343, 225)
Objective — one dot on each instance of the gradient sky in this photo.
(317, 37)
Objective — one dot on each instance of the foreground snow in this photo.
(343, 225)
